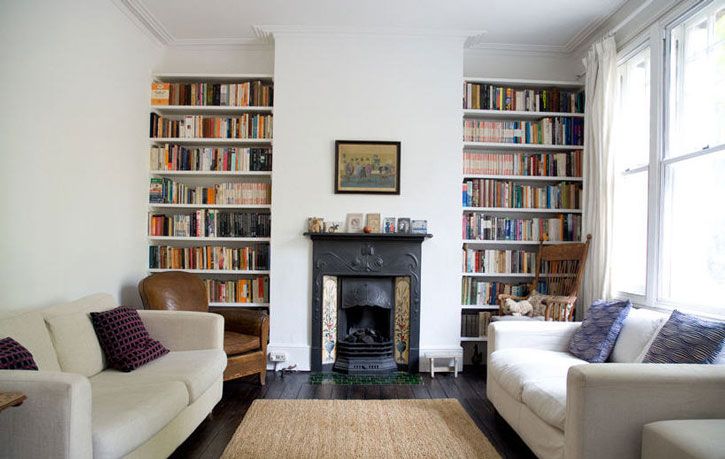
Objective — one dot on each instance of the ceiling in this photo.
(548, 25)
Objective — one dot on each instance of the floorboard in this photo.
(212, 436)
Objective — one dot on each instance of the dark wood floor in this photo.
(212, 436)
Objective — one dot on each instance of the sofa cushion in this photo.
(126, 415)
(124, 339)
(512, 368)
(29, 330)
(238, 343)
(638, 328)
(76, 344)
(13, 356)
(595, 339)
(547, 398)
(687, 339)
(74, 339)
(198, 370)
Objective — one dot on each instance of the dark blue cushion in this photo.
(594, 339)
(686, 339)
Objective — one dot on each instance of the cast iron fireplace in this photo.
(365, 302)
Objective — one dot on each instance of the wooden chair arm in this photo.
(559, 308)
(558, 299)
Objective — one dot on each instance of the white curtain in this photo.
(601, 71)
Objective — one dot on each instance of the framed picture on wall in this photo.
(366, 166)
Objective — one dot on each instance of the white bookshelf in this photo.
(515, 149)
(210, 178)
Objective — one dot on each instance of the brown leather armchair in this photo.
(246, 332)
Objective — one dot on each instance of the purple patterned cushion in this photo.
(124, 339)
(595, 339)
(686, 339)
(14, 356)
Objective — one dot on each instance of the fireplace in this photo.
(365, 326)
(365, 302)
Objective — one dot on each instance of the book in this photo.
(373, 221)
(481, 226)
(230, 193)
(509, 194)
(160, 93)
(243, 94)
(478, 292)
(173, 157)
(492, 261)
(211, 223)
(156, 187)
(484, 96)
(564, 164)
(546, 131)
(251, 290)
(209, 257)
(244, 126)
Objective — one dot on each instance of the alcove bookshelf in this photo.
(215, 178)
(510, 150)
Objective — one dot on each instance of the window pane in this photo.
(629, 273)
(697, 82)
(693, 261)
(631, 125)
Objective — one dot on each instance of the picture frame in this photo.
(389, 225)
(419, 226)
(373, 222)
(403, 225)
(367, 167)
(354, 223)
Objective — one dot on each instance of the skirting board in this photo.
(299, 354)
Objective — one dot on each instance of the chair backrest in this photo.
(174, 291)
(560, 268)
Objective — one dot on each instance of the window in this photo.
(631, 163)
(693, 220)
(669, 155)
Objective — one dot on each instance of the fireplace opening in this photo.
(365, 326)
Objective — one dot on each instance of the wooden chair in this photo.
(559, 273)
(246, 332)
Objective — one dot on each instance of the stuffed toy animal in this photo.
(518, 308)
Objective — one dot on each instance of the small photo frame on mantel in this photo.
(367, 167)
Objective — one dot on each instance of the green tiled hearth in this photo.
(348, 380)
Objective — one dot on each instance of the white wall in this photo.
(519, 65)
(217, 59)
(375, 88)
(74, 86)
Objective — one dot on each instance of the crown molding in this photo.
(268, 32)
(586, 31)
(522, 49)
(145, 20)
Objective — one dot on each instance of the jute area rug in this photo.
(358, 429)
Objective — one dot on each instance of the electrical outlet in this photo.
(277, 356)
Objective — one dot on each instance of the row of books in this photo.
(245, 126)
(211, 223)
(502, 193)
(567, 164)
(167, 191)
(498, 261)
(209, 257)
(484, 96)
(253, 290)
(250, 93)
(547, 131)
(475, 325)
(170, 157)
(477, 225)
(476, 291)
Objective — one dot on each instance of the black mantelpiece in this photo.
(343, 255)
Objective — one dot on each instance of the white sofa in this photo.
(78, 408)
(564, 407)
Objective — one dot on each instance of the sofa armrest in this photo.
(550, 336)
(54, 421)
(185, 330)
(608, 404)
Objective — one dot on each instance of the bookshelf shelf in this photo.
(514, 114)
(521, 178)
(209, 141)
(216, 304)
(169, 110)
(499, 120)
(207, 239)
(213, 173)
(208, 109)
(520, 146)
(515, 243)
(524, 210)
(236, 272)
(209, 206)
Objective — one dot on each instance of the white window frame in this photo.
(657, 37)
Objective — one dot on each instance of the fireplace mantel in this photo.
(369, 236)
(394, 255)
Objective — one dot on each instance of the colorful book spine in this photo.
(480, 226)
(498, 261)
(245, 126)
(568, 164)
(477, 292)
(547, 131)
(235, 193)
(507, 194)
(170, 157)
(209, 258)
